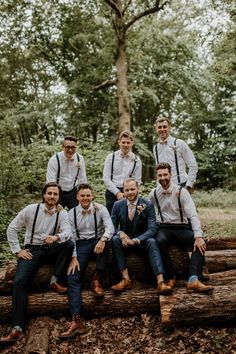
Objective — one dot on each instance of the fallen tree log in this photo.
(139, 269)
(134, 301)
(217, 261)
(37, 341)
(225, 243)
(184, 308)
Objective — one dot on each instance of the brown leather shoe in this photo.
(74, 328)
(171, 282)
(97, 288)
(123, 284)
(12, 337)
(58, 288)
(198, 287)
(164, 289)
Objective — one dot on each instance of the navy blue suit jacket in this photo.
(144, 223)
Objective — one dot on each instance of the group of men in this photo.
(129, 221)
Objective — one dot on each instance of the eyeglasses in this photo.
(67, 147)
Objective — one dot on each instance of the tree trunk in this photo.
(129, 302)
(121, 74)
(183, 308)
(38, 336)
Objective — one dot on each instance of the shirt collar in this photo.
(135, 202)
(66, 159)
(48, 211)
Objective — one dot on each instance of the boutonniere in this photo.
(78, 164)
(141, 208)
(97, 206)
(174, 147)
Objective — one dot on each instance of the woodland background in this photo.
(62, 67)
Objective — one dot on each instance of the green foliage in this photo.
(217, 198)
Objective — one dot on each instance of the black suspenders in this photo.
(95, 223)
(158, 205)
(179, 202)
(34, 222)
(59, 169)
(176, 160)
(112, 165)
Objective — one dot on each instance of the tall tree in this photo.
(125, 15)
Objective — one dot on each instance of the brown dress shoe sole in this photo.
(199, 291)
(127, 287)
(73, 334)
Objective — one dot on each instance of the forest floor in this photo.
(143, 334)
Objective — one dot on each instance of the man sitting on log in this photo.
(47, 240)
(92, 230)
(135, 223)
(175, 208)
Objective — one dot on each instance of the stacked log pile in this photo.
(179, 308)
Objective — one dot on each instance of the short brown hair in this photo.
(163, 165)
(161, 119)
(71, 138)
(51, 184)
(84, 186)
(130, 179)
(126, 134)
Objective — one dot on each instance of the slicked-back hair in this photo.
(163, 165)
(130, 179)
(71, 138)
(51, 184)
(161, 119)
(84, 186)
(126, 134)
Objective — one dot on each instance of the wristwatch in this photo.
(104, 239)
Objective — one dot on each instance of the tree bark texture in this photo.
(38, 336)
(184, 308)
(128, 302)
(139, 269)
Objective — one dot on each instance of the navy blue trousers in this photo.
(59, 254)
(149, 247)
(85, 251)
(181, 236)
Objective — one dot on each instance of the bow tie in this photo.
(124, 156)
(166, 191)
(89, 211)
(162, 141)
(49, 211)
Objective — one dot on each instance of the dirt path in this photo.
(214, 214)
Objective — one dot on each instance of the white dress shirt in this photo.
(122, 169)
(185, 158)
(44, 226)
(68, 171)
(86, 223)
(168, 202)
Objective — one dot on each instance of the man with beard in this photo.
(177, 153)
(118, 166)
(92, 230)
(46, 241)
(135, 224)
(175, 206)
(67, 168)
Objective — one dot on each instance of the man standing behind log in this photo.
(47, 240)
(175, 206)
(118, 166)
(177, 153)
(92, 230)
(135, 223)
(67, 168)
